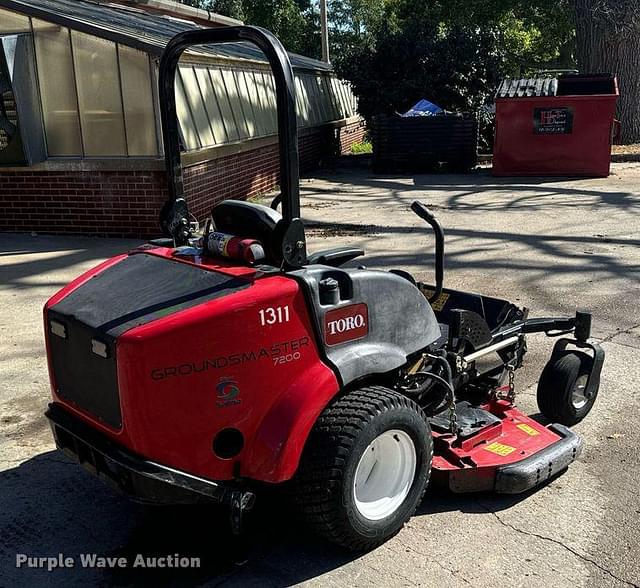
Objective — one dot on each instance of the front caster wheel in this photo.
(365, 468)
(561, 389)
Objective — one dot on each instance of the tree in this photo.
(453, 52)
(206, 4)
(454, 66)
(608, 40)
(354, 22)
(294, 22)
(232, 8)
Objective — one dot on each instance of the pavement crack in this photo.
(612, 336)
(621, 344)
(455, 573)
(561, 544)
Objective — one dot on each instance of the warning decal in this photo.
(529, 430)
(500, 448)
(437, 304)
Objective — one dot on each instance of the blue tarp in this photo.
(423, 108)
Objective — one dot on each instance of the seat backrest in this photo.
(247, 219)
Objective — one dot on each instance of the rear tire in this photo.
(365, 468)
(561, 388)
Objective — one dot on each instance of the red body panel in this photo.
(586, 151)
(185, 377)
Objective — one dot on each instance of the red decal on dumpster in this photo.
(346, 324)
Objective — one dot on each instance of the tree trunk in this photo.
(608, 41)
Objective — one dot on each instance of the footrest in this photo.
(539, 467)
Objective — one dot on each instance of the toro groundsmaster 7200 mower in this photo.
(200, 368)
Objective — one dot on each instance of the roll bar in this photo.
(174, 218)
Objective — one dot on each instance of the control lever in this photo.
(424, 213)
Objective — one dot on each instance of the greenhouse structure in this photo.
(80, 136)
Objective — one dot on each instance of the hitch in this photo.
(241, 502)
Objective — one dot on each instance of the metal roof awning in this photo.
(137, 28)
(527, 88)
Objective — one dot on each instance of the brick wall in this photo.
(103, 203)
(127, 203)
(353, 133)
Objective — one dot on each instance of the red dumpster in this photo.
(555, 126)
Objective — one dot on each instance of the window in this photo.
(12, 23)
(137, 98)
(266, 93)
(195, 101)
(272, 100)
(231, 90)
(244, 103)
(302, 103)
(99, 95)
(57, 89)
(187, 126)
(252, 87)
(211, 104)
(219, 88)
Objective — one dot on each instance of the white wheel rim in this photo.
(578, 393)
(384, 474)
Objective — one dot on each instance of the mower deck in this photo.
(512, 453)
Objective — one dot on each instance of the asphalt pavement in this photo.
(550, 245)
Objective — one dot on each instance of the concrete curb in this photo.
(487, 158)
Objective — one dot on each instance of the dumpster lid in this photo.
(527, 87)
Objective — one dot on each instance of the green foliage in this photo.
(294, 22)
(232, 8)
(207, 4)
(454, 66)
(363, 147)
(452, 52)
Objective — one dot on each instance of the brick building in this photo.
(80, 138)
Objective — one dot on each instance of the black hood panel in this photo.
(142, 288)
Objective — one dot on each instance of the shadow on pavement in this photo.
(24, 256)
(50, 506)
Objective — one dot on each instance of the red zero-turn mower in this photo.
(200, 369)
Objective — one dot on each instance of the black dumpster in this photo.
(424, 143)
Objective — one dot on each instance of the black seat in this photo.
(335, 257)
(248, 219)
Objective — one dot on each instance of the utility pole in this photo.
(324, 31)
